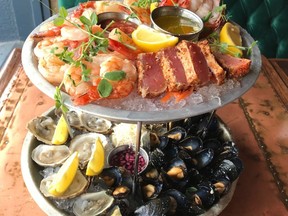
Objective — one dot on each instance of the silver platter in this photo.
(32, 178)
(30, 63)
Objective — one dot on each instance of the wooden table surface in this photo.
(258, 121)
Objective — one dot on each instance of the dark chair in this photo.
(266, 21)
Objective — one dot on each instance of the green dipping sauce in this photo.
(177, 24)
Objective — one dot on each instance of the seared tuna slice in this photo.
(173, 69)
(194, 63)
(151, 81)
(236, 67)
(219, 74)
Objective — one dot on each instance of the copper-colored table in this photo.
(258, 121)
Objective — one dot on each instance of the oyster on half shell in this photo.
(43, 128)
(50, 155)
(84, 143)
(92, 203)
(77, 187)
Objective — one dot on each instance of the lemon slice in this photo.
(61, 133)
(230, 34)
(64, 176)
(150, 40)
(97, 160)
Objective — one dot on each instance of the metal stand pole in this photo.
(137, 149)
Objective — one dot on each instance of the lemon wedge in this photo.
(61, 133)
(150, 40)
(230, 34)
(97, 159)
(153, 5)
(64, 176)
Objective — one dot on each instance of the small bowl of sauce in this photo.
(177, 21)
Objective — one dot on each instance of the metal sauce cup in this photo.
(122, 148)
(181, 12)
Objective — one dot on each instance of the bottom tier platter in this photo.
(211, 183)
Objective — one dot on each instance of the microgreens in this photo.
(220, 9)
(143, 3)
(105, 87)
(223, 47)
(59, 103)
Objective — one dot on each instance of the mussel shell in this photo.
(170, 151)
(50, 155)
(92, 204)
(77, 187)
(212, 127)
(157, 158)
(202, 195)
(151, 173)
(121, 191)
(228, 169)
(227, 151)
(214, 144)
(202, 158)
(151, 189)
(221, 186)
(179, 197)
(112, 176)
(192, 144)
(43, 128)
(176, 133)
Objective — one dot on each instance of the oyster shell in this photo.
(83, 144)
(43, 128)
(95, 124)
(77, 187)
(92, 203)
(50, 155)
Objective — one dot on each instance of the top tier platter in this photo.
(30, 63)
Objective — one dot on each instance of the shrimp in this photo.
(47, 46)
(86, 92)
(52, 69)
(203, 7)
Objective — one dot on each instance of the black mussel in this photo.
(171, 151)
(208, 129)
(151, 173)
(163, 142)
(158, 141)
(221, 186)
(202, 195)
(155, 207)
(120, 204)
(176, 169)
(202, 158)
(228, 169)
(195, 177)
(214, 144)
(187, 158)
(178, 201)
(150, 190)
(112, 176)
(227, 151)
(121, 191)
(191, 144)
(157, 158)
(176, 133)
